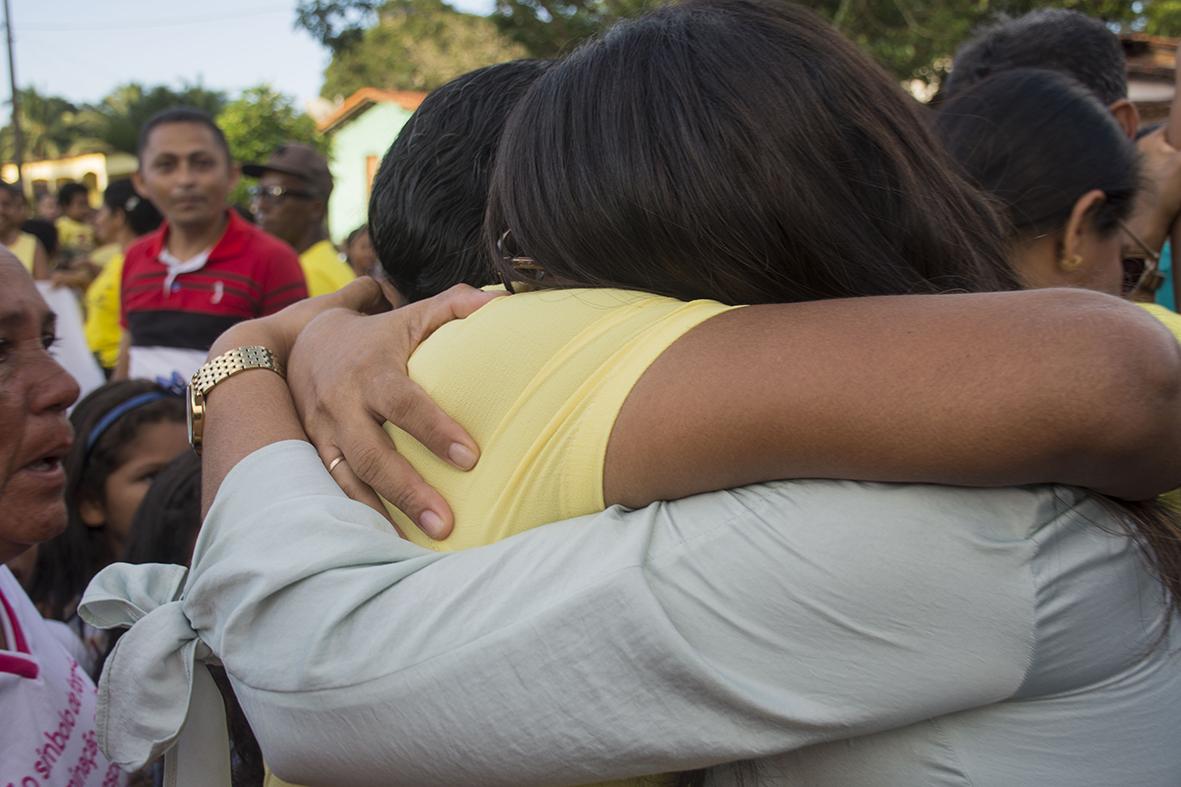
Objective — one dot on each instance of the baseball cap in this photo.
(302, 161)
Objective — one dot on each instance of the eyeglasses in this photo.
(1141, 273)
(278, 193)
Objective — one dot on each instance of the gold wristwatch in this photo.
(218, 370)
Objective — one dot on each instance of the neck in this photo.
(125, 238)
(313, 236)
(187, 241)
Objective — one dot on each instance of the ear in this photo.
(1079, 223)
(137, 181)
(92, 513)
(1128, 117)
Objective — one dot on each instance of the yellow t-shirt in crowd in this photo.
(74, 235)
(103, 331)
(323, 269)
(25, 249)
(537, 379)
(105, 253)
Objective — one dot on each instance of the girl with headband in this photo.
(125, 433)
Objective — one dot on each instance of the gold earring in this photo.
(1071, 263)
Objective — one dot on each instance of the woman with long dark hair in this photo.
(707, 155)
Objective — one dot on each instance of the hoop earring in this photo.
(530, 268)
(1071, 263)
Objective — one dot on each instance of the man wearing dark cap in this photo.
(291, 203)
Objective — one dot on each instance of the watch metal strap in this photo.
(231, 362)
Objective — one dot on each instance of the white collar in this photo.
(177, 266)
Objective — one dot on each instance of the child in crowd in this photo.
(358, 250)
(27, 248)
(126, 432)
(165, 526)
(74, 230)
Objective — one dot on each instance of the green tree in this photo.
(417, 45)
(911, 38)
(52, 127)
(119, 116)
(260, 120)
(337, 24)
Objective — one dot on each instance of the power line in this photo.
(153, 24)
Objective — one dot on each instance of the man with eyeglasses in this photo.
(291, 203)
(205, 268)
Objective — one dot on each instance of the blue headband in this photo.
(120, 410)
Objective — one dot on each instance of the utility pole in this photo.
(18, 141)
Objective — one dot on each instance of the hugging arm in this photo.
(719, 628)
(994, 389)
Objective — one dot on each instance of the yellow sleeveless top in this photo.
(25, 249)
(537, 379)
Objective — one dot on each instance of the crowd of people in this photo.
(507, 489)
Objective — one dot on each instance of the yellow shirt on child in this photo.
(74, 236)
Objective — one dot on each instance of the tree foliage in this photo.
(337, 24)
(259, 121)
(121, 113)
(417, 45)
(911, 38)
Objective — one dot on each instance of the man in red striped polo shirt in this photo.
(205, 268)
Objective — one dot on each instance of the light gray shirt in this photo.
(826, 632)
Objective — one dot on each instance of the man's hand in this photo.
(347, 376)
(1159, 201)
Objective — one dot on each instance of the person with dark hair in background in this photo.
(165, 526)
(74, 231)
(123, 218)
(1063, 172)
(291, 202)
(25, 246)
(47, 207)
(1087, 50)
(359, 252)
(127, 432)
(205, 268)
(427, 205)
(1056, 39)
(47, 702)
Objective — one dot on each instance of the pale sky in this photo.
(81, 49)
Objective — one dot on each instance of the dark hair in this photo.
(352, 236)
(1053, 38)
(738, 150)
(12, 189)
(182, 115)
(66, 564)
(429, 196)
(139, 213)
(43, 231)
(1037, 141)
(167, 521)
(67, 193)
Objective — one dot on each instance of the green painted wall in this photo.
(367, 134)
